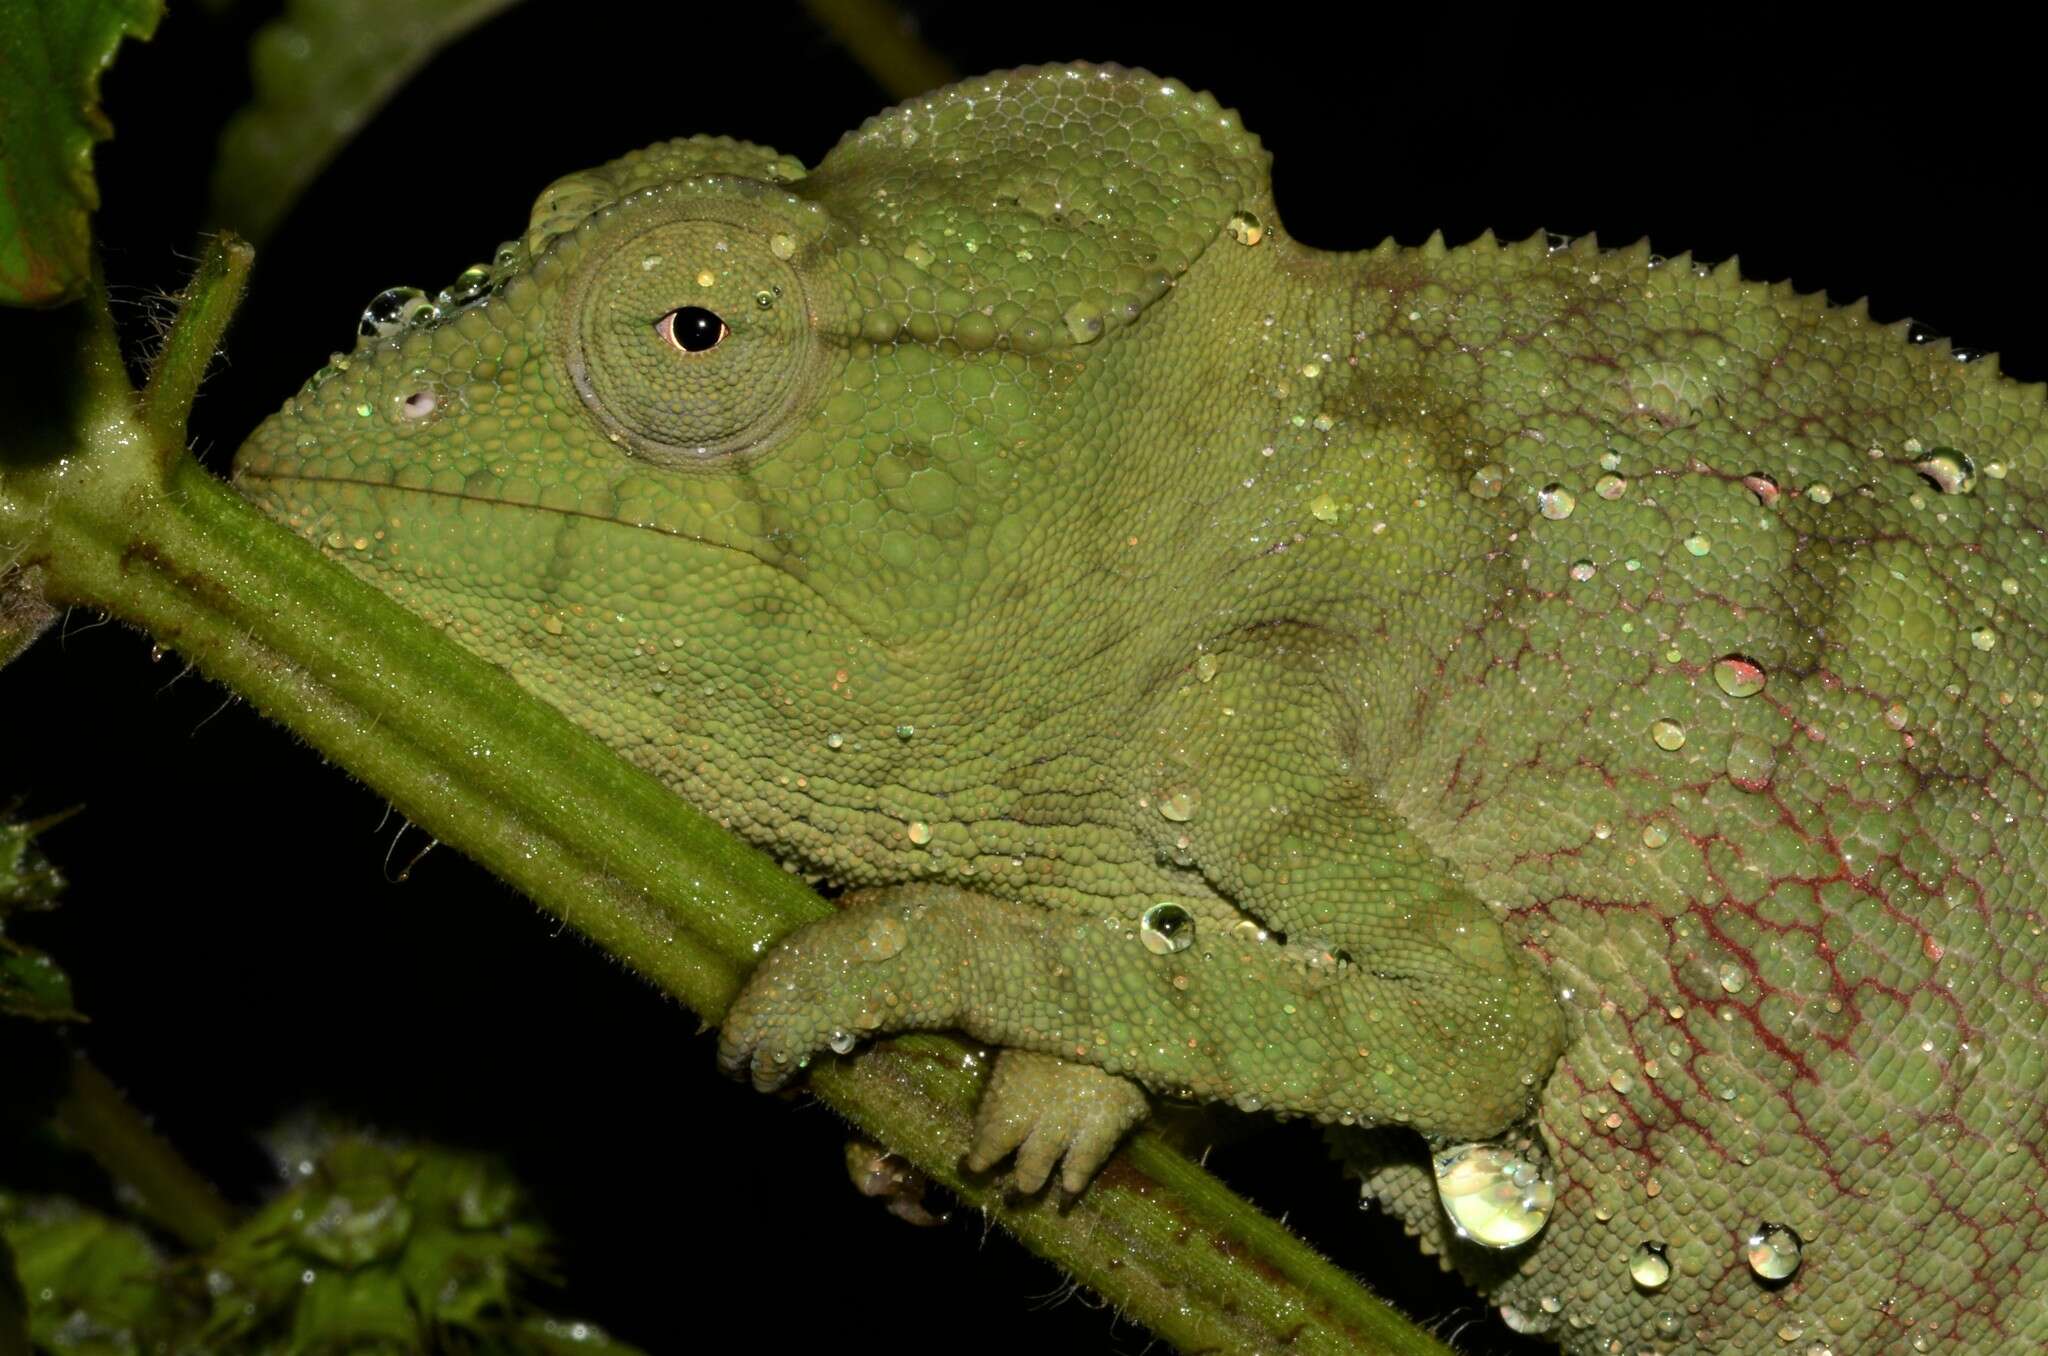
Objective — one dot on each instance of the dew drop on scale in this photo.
(1772, 1252)
(395, 309)
(1165, 928)
(1495, 1195)
(1648, 1267)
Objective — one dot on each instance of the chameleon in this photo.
(1570, 720)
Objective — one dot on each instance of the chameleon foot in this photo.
(1052, 1111)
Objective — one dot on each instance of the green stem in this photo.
(189, 348)
(467, 756)
(878, 37)
(100, 1121)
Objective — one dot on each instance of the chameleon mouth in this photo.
(313, 516)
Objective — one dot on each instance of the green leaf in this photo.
(51, 56)
(321, 71)
(95, 1283)
(31, 985)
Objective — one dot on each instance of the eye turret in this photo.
(691, 338)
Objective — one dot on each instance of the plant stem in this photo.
(103, 1123)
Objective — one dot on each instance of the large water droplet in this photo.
(1732, 977)
(1556, 502)
(1495, 1195)
(1772, 1251)
(1984, 638)
(1668, 735)
(1166, 928)
(1763, 487)
(1245, 228)
(1699, 543)
(1738, 676)
(1179, 805)
(1948, 470)
(1488, 481)
(1648, 1267)
(394, 309)
(1610, 487)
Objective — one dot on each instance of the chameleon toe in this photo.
(1052, 1113)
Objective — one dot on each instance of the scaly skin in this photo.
(1049, 538)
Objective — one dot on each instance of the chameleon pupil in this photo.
(692, 328)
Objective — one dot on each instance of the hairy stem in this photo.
(99, 1120)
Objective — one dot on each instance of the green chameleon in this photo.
(1574, 716)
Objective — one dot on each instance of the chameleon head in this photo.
(718, 441)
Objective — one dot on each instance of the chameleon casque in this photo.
(1458, 693)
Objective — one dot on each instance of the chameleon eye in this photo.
(692, 329)
(726, 373)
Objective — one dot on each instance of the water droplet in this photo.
(1820, 494)
(394, 309)
(1763, 487)
(1582, 570)
(835, 741)
(469, 284)
(1699, 543)
(1948, 470)
(1556, 502)
(1648, 1267)
(1731, 976)
(919, 832)
(1166, 928)
(1488, 481)
(1656, 834)
(1206, 666)
(1495, 1195)
(1245, 228)
(906, 731)
(1179, 805)
(1772, 1251)
(1610, 487)
(1518, 1321)
(1984, 638)
(1621, 1082)
(1668, 735)
(842, 1042)
(1738, 676)
(1324, 508)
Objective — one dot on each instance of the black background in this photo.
(233, 926)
